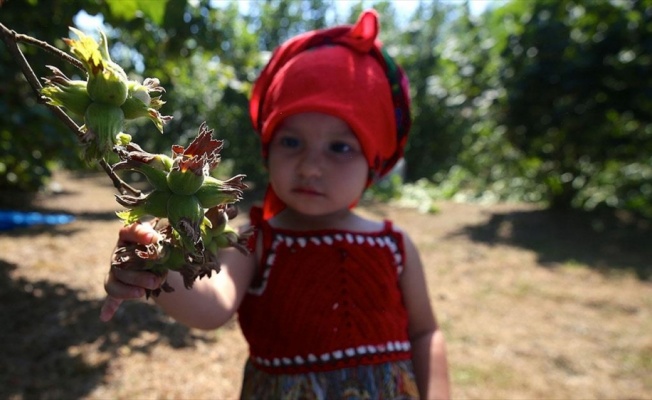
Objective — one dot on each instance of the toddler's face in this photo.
(316, 164)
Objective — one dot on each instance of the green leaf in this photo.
(154, 10)
(128, 9)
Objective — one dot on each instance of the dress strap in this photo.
(262, 231)
(389, 229)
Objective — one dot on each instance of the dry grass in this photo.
(534, 306)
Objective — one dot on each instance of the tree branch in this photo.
(20, 38)
(118, 183)
(11, 39)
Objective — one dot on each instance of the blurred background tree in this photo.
(578, 99)
(545, 100)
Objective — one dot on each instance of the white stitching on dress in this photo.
(383, 348)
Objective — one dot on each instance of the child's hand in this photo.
(122, 284)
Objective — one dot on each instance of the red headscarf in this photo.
(344, 72)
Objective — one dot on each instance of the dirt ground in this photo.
(534, 305)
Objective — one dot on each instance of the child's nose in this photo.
(311, 164)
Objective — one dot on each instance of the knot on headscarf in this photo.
(342, 71)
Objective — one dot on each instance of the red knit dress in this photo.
(324, 301)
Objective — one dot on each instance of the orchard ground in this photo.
(534, 305)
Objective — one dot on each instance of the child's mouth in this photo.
(307, 191)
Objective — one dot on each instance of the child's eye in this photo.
(289, 142)
(341, 147)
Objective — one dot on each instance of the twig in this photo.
(20, 38)
(11, 39)
(119, 184)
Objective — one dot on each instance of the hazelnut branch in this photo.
(11, 39)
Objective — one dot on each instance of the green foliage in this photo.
(578, 103)
(127, 10)
(387, 189)
(553, 106)
(437, 102)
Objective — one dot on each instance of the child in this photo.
(333, 305)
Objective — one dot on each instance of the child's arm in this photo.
(209, 304)
(212, 301)
(427, 340)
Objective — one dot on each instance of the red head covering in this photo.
(344, 72)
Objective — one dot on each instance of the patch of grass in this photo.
(639, 362)
(523, 289)
(497, 376)
(572, 263)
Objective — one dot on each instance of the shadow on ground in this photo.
(602, 241)
(44, 322)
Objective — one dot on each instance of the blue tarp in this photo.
(10, 219)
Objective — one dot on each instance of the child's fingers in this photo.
(129, 284)
(122, 284)
(138, 233)
(109, 308)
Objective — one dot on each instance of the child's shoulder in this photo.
(361, 223)
(364, 224)
(373, 224)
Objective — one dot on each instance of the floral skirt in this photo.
(394, 380)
